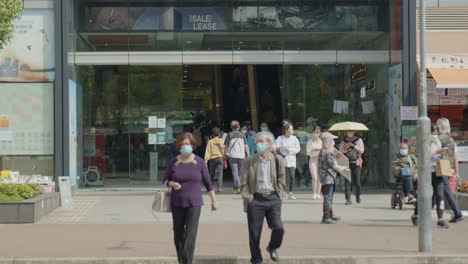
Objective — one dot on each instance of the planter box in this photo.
(462, 199)
(28, 211)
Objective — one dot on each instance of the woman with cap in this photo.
(328, 170)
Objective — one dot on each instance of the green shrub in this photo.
(6, 198)
(19, 191)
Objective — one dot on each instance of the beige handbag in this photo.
(162, 201)
(443, 168)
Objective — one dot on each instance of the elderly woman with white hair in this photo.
(263, 179)
(451, 153)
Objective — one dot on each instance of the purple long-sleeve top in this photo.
(190, 176)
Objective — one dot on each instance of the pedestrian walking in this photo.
(405, 171)
(262, 188)
(214, 157)
(353, 148)
(443, 126)
(314, 146)
(288, 146)
(236, 149)
(184, 175)
(250, 135)
(437, 182)
(328, 171)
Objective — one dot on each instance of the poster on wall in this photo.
(409, 133)
(118, 18)
(409, 113)
(29, 57)
(29, 107)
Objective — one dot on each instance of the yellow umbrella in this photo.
(348, 126)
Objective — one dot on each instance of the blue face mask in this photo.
(264, 129)
(186, 149)
(261, 148)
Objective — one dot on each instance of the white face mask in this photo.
(404, 152)
(350, 134)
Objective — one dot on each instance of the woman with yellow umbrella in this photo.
(353, 148)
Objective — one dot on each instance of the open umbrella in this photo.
(348, 126)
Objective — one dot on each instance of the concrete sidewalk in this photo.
(123, 226)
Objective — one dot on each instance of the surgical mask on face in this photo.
(186, 149)
(264, 129)
(244, 131)
(404, 152)
(350, 134)
(261, 147)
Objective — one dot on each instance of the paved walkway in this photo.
(123, 226)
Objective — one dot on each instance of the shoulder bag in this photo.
(162, 201)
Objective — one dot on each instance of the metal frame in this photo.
(409, 53)
(61, 109)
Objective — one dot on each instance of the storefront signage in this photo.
(152, 138)
(446, 61)
(453, 100)
(152, 121)
(409, 112)
(463, 153)
(202, 22)
(161, 138)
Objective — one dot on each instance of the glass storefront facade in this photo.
(141, 72)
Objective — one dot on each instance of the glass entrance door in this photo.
(105, 143)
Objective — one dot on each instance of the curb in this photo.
(377, 259)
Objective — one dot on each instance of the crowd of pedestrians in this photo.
(264, 168)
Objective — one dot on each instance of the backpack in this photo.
(352, 154)
(236, 148)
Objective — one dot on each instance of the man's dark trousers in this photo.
(262, 207)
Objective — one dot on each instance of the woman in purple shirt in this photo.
(184, 176)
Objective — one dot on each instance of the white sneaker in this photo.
(319, 197)
(314, 197)
(291, 196)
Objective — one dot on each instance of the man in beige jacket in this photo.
(263, 180)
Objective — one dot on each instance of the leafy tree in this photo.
(9, 11)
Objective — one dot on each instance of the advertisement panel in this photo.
(30, 111)
(29, 57)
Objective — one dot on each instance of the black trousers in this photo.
(438, 195)
(290, 178)
(185, 225)
(355, 181)
(259, 209)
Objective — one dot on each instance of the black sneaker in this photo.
(273, 254)
(335, 218)
(442, 224)
(348, 202)
(328, 221)
(457, 219)
(358, 199)
(414, 220)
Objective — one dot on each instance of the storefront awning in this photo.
(450, 78)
